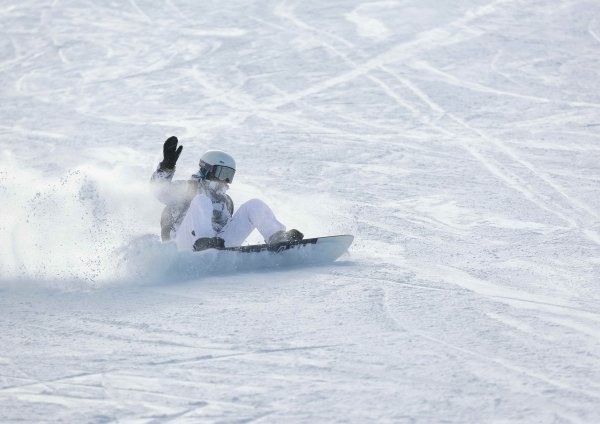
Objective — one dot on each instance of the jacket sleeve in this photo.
(167, 191)
(229, 202)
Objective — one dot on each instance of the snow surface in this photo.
(457, 140)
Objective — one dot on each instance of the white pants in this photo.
(197, 223)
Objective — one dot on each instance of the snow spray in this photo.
(63, 228)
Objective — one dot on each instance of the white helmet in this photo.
(217, 165)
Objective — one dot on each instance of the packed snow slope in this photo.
(457, 140)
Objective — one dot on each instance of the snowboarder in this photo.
(199, 214)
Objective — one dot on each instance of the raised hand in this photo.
(170, 153)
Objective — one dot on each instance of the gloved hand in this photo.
(204, 243)
(170, 153)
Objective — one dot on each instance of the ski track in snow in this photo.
(456, 140)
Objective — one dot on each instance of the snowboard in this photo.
(147, 258)
(311, 250)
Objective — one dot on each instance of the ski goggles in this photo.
(216, 172)
(222, 173)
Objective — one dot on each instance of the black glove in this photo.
(170, 153)
(204, 243)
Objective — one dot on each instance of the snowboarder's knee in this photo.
(254, 204)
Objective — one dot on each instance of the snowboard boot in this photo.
(204, 243)
(285, 237)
